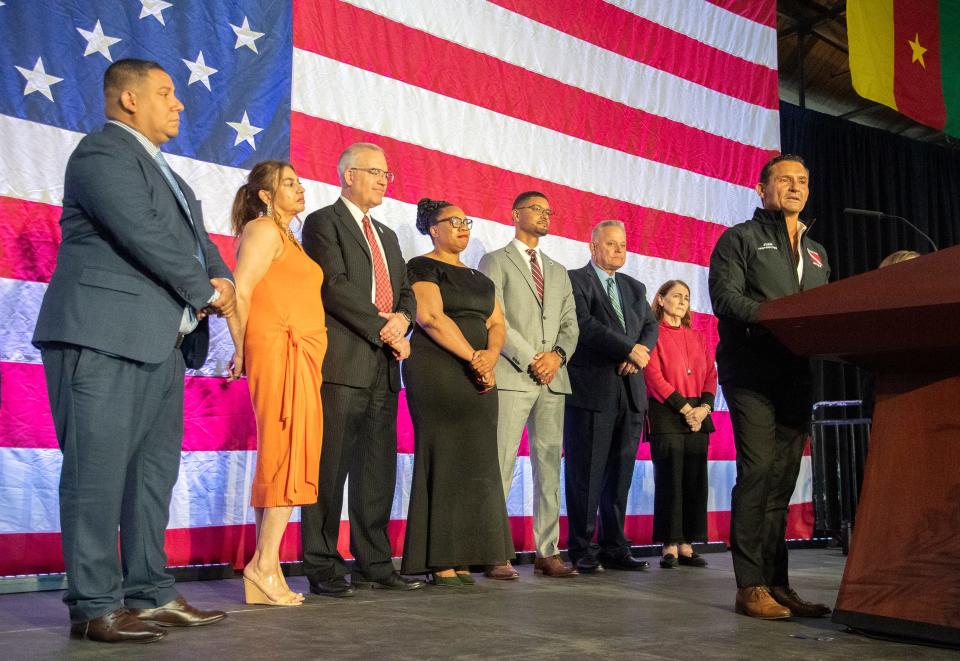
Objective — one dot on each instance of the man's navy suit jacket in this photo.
(604, 344)
(127, 264)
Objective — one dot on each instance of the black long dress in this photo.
(457, 514)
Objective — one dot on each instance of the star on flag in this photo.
(245, 131)
(918, 51)
(38, 80)
(98, 42)
(154, 8)
(246, 36)
(199, 71)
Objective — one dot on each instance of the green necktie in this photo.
(615, 302)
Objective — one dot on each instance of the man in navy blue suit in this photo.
(123, 315)
(604, 414)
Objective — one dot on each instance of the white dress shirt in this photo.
(358, 217)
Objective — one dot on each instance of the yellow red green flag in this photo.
(905, 54)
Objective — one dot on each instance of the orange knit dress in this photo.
(284, 345)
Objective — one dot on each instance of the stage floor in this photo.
(682, 613)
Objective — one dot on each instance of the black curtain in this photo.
(861, 167)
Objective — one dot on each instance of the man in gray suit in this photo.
(537, 301)
(123, 315)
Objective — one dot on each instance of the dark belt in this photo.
(180, 336)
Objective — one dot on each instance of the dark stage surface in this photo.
(683, 613)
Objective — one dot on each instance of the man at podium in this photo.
(768, 389)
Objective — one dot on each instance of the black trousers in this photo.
(600, 453)
(359, 440)
(769, 429)
(119, 425)
(680, 478)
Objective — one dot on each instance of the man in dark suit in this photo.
(604, 415)
(136, 275)
(369, 306)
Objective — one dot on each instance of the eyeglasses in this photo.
(377, 173)
(457, 222)
(538, 210)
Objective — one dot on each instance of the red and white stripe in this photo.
(656, 113)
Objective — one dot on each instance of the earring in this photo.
(269, 209)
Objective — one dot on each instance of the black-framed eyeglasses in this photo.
(377, 173)
(537, 209)
(456, 222)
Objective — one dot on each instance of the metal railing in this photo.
(838, 444)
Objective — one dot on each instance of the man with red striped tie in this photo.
(532, 381)
(369, 306)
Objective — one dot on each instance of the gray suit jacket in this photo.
(531, 327)
(126, 265)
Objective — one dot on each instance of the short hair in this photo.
(768, 166)
(603, 224)
(898, 256)
(348, 157)
(664, 288)
(126, 73)
(525, 196)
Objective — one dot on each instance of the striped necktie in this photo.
(536, 272)
(383, 291)
(615, 301)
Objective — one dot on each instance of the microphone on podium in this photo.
(880, 214)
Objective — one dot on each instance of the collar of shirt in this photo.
(151, 148)
(603, 275)
(354, 210)
(522, 248)
(801, 229)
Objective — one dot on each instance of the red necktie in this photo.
(383, 298)
(536, 272)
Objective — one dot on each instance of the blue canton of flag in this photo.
(230, 61)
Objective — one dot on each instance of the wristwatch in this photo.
(560, 352)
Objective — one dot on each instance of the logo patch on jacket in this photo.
(815, 258)
(767, 245)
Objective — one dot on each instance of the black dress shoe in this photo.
(624, 561)
(117, 626)
(588, 565)
(668, 561)
(392, 581)
(694, 560)
(177, 613)
(788, 598)
(331, 587)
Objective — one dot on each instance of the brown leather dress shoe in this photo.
(504, 572)
(554, 567)
(756, 601)
(177, 613)
(787, 597)
(117, 626)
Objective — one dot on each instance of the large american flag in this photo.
(657, 113)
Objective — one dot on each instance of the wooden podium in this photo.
(902, 577)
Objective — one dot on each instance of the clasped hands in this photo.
(695, 416)
(483, 364)
(226, 302)
(636, 361)
(544, 366)
(394, 334)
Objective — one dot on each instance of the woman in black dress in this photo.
(457, 515)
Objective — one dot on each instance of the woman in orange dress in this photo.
(280, 335)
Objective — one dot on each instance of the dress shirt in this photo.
(523, 248)
(358, 217)
(604, 276)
